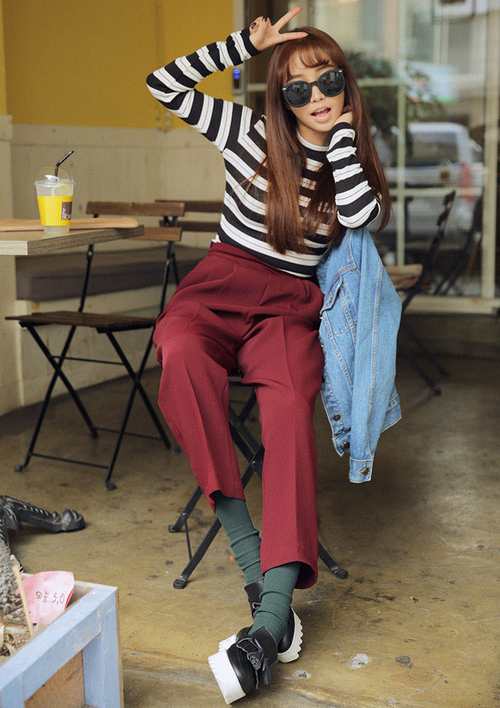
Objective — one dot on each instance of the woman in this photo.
(295, 179)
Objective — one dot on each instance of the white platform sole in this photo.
(294, 650)
(225, 676)
(285, 657)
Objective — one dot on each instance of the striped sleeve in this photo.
(356, 202)
(174, 86)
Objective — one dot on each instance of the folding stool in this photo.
(108, 324)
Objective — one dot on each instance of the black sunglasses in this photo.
(298, 93)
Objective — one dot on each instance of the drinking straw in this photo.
(56, 169)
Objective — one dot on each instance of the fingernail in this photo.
(264, 19)
(253, 25)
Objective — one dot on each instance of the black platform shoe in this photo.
(245, 665)
(289, 646)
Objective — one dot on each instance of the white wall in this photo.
(10, 372)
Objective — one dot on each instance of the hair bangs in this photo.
(312, 51)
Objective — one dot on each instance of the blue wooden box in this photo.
(74, 662)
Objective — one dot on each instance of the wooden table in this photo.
(24, 243)
(28, 243)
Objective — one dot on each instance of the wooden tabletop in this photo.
(27, 243)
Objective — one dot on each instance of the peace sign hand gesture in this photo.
(263, 34)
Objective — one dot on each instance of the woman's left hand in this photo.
(346, 116)
(264, 35)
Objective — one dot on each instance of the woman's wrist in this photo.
(337, 128)
(341, 125)
(249, 45)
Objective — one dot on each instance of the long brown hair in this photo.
(286, 155)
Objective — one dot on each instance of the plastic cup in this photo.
(55, 200)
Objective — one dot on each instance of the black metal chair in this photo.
(463, 261)
(108, 324)
(418, 286)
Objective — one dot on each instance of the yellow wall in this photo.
(187, 26)
(3, 88)
(86, 63)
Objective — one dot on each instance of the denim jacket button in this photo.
(337, 416)
(346, 445)
(365, 470)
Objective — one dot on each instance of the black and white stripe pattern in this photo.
(356, 203)
(240, 135)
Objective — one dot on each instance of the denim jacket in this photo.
(358, 332)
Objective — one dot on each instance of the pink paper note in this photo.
(48, 594)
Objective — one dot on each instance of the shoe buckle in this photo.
(257, 658)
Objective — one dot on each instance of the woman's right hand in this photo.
(263, 34)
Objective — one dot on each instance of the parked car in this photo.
(439, 155)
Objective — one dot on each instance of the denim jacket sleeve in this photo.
(358, 332)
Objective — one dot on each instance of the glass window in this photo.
(423, 68)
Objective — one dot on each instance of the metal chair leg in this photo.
(58, 373)
(186, 512)
(418, 368)
(339, 572)
(248, 407)
(424, 349)
(137, 384)
(136, 377)
(181, 581)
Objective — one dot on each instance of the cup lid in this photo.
(46, 175)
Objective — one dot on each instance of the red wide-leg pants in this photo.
(235, 312)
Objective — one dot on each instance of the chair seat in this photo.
(404, 277)
(102, 323)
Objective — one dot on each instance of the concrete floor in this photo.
(421, 543)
